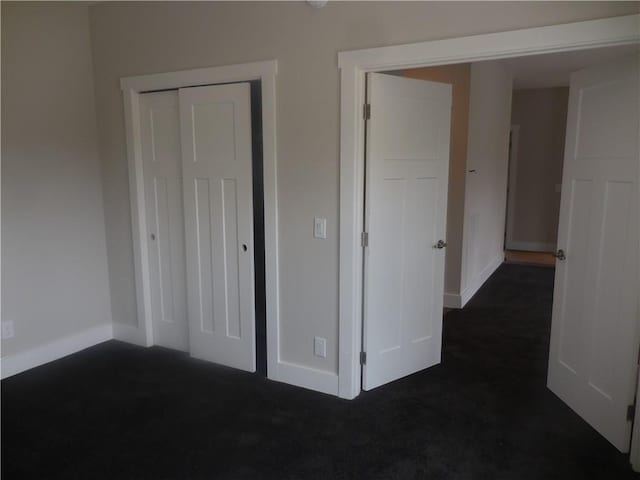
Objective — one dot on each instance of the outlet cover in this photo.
(320, 347)
(7, 329)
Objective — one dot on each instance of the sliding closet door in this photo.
(215, 124)
(161, 157)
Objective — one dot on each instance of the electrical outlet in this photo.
(7, 329)
(320, 347)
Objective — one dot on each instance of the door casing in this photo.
(132, 87)
(354, 65)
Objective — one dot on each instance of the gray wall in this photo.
(131, 39)
(486, 189)
(542, 117)
(54, 259)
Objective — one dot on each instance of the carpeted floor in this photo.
(118, 411)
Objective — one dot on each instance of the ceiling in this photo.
(554, 69)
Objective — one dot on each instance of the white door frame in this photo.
(132, 87)
(353, 67)
(512, 184)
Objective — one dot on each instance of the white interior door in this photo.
(162, 166)
(594, 333)
(215, 126)
(406, 210)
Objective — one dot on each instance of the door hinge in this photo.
(364, 239)
(631, 412)
(366, 111)
(363, 358)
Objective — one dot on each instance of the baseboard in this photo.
(306, 377)
(34, 357)
(482, 277)
(129, 334)
(452, 300)
(531, 246)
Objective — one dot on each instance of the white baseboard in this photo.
(129, 334)
(482, 277)
(452, 300)
(34, 357)
(306, 377)
(531, 246)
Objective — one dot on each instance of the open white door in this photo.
(215, 126)
(406, 210)
(594, 333)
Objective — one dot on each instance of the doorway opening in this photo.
(485, 202)
(536, 155)
(202, 173)
(233, 223)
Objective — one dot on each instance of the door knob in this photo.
(560, 255)
(440, 244)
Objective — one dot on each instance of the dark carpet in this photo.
(117, 411)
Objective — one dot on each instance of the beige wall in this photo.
(485, 199)
(54, 260)
(542, 117)
(458, 77)
(131, 39)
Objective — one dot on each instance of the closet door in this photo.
(161, 156)
(215, 125)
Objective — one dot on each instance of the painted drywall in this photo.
(458, 76)
(142, 38)
(542, 116)
(54, 276)
(487, 165)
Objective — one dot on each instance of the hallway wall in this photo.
(541, 115)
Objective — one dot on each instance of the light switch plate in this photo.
(7, 329)
(320, 227)
(320, 347)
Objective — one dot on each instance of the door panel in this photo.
(216, 151)
(161, 157)
(406, 204)
(594, 334)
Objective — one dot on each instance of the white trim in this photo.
(200, 76)
(634, 451)
(132, 87)
(531, 246)
(603, 32)
(307, 377)
(34, 357)
(130, 334)
(138, 216)
(354, 64)
(512, 183)
(479, 280)
(452, 300)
